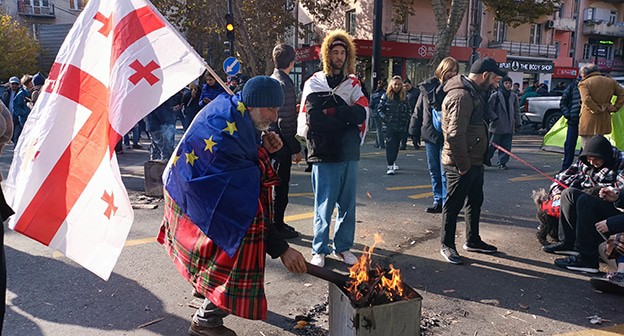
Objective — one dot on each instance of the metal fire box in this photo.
(153, 178)
(399, 318)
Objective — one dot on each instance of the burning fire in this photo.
(374, 286)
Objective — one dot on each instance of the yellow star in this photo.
(231, 127)
(175, 159)
(241, 108)
(190, 157)
(209, 144)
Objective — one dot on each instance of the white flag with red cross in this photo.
(120, 61)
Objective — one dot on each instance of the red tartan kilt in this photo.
(235, 284)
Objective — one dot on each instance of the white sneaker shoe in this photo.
(395, 166)
(347, 257)
(318, 260)
(390, 170)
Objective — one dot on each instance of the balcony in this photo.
(423, 38)
(26, 8)
(603, 28)
(565, 24)
(526, 49)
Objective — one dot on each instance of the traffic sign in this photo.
(231, 66)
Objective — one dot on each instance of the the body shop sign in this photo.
(527, 66)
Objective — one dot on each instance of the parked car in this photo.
(541, 112)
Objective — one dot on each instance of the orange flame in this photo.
(389, 282)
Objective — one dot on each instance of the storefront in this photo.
(565, 75)
(528, 71)
(408, 60)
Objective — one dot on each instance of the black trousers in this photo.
(463, 191)
(282, 164)
(579, 214)
(415, 138)
(393, 138)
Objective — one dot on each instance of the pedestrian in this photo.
(412, 97)
(16, 99)
(161, 126)
(190, 103)
(210, 90)
(6, 133)
(516, 89)
(380, 141)
(429, 105)
(38, 80)
(570, 105)
(465, 143)
(596, 94)
(335, 109)
(286, 128)
(504, 118)
(394, 111)
(613, 227)
(217, 225)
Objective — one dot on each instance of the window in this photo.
(613, 17)
(77, 4)
(350, 22)
(561, 13)
(500, 31)
(309, 33)
(588, 51)
(536, 34)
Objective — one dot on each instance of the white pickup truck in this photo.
(542, 112)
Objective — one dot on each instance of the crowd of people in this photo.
(239, 149)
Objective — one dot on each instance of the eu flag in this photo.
(214, 176)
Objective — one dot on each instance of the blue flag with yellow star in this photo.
(214, 176)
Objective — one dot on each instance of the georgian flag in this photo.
(350, 90)
(120, 61)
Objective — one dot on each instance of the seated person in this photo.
(591, 226)
(613, 226)
(600, 165)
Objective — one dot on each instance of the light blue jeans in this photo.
(436, 171)
(334, 185)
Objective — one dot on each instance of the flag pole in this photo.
(218, 79)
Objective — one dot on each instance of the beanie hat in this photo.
(14, 80)
(38, 79)
(262, 91)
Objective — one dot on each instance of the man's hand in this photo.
(297, 157)
(556, 197)
(608, 194)
(602, 226)
(206, 100)
(293, 260)
(271, 142)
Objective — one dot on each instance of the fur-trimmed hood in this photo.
(349, 67)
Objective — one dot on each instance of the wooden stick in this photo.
(338, 279)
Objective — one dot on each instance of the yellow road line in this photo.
(532, 177)
(141, 241)
(409, 187)
(609, 331)
(297, 217)
(300, 194)
(419, 196)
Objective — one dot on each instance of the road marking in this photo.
(301, 195)
(298, 217)
(534, 177)
(409, 187)
(609, 331)
(423, 195)
(141, 241)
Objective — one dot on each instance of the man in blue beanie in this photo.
(218, 224)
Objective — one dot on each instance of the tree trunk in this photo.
(447, 26)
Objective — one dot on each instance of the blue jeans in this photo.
(135, 136)
(436, 171)
(334, 185)
(503, 140)
(569, 147)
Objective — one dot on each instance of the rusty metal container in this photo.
(400, 318)
(153, 178)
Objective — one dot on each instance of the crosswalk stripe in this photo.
(609, 331)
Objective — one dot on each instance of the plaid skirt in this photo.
(235, 284)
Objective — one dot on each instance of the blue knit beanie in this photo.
(262, 91)
(38, 79)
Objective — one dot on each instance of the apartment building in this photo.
(48, 20)
(548, 51)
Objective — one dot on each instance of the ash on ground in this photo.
(314, 321)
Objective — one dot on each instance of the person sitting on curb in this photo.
(613, 226)
(600, 165)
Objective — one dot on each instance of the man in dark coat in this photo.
(570, 106)
(286, 127)
(412, 98)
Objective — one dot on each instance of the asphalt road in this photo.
(517, 291)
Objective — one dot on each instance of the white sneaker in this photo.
(318, 260)
(395, 166)
(347, 257)
(390, 170)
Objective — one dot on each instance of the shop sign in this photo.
(527, 66)
(566, 72)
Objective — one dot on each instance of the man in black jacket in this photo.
(412, 98)
(286, 127)
(570, 105)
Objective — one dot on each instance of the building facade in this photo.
(549, 51)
